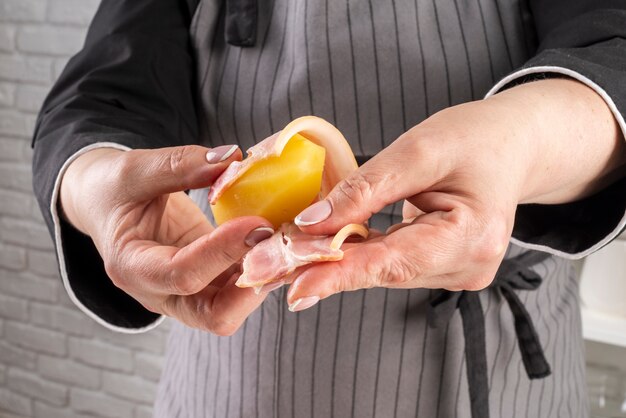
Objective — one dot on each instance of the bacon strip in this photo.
(290, 248)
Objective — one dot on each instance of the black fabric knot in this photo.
(513, 274)
(240, 22)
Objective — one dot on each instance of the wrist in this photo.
(520, 120)
(572, 136)
(77, 186)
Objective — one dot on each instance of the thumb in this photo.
(151, 173)
(385, 179)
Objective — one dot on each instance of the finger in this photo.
(232, 305)
(217, 309)
(385, 179)
(182, 222)
(410, 212)
(375, 263)
(438, 250)
(395, 227)
(151, 173)
(434, 201)
(182, 271)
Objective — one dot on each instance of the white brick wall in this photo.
(54, 361)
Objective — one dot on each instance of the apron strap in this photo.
(513, 274)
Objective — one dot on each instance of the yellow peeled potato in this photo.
(277, 188)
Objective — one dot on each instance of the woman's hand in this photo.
(462, 174)
(156, 244)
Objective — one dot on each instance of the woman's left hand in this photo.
(462, 173)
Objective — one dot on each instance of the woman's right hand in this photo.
(156, 244)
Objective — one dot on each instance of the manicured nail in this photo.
(268, 287)
(221, 153)
(314, 214)
(257, 235)
(303, 303)
(272, 286)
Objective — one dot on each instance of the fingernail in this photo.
(303, 303)
(268, 287)
(221, 153)
(257, 235)
(314, 214)
(272, 286)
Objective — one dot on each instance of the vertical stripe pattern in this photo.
(374, 69)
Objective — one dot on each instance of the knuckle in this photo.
(423, 144)
(124, 166)
(227, 254)
(184, 284)
(210, 317)
(487, 251)
(345, 281)
(486, 235)
(392, 274)
(113, 269)
(222, 328)
(176, 160)
(399, 272)
(389, 268)
(375, 269)
(492, 242)
(461, 219)
(355, 189)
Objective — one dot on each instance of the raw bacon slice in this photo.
(290, 248)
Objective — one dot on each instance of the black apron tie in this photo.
(240, 22)
(513, 274)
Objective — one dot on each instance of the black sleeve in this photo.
(130, 86)
(585, 40)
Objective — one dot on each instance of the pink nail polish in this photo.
(314, 214)
(272, 286)
(303, 303)
(221, 153)
(257, 235)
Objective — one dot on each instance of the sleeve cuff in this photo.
(576, 229)
(84, 289)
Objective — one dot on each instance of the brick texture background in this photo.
(54, 360)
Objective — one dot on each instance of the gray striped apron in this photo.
(374, 69)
